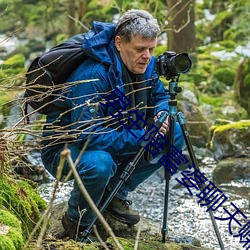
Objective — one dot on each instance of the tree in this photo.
(76, 11)
(181, 27)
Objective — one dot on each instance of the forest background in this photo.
(214, 33)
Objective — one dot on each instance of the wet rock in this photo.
(231, 169)
(150, 235)
(30, 167)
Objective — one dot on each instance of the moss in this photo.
(225, 75)
(13, 71)
(214, 101)
(16, 61)
(220, 132)
(66, 245)
(9, 219)
(21, 199)
(128, 244)
(220, 24)
(13, 239)
(6, 243)
(91, 247)
(212, 70)
(222, 122)
(229, 45)
(219, 103)
(174, 246)
(16, 237)
(234, 125)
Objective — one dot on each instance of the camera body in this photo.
(171, 65)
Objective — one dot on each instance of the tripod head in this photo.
(174, 89)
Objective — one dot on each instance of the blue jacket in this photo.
(87, 118)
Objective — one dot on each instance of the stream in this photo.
(186, 219)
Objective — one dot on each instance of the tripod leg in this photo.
(181, 121)
(167, 177)
(164, 229)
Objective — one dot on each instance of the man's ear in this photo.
(118, 42)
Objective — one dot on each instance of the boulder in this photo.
(228, 139)
(230, 143)
(197, 125)
(231, 169)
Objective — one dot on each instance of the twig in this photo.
(66, 154)
(77, 21)
(99, 238)
(137, 236)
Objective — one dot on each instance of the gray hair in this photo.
(137, 22)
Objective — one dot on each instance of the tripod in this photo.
(173, 90)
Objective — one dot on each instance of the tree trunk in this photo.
(83, 7)
(181, 27)
(71, 6)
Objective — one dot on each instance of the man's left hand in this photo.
(165, 125)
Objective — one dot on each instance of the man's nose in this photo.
(146, 54)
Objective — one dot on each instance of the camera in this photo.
(171, 65)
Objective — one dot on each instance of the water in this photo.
(185, 217)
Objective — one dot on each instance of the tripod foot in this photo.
(164, 232)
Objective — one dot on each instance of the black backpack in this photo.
(47, 74)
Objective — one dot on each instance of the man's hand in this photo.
(165, 125)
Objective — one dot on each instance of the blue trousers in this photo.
(100, 170)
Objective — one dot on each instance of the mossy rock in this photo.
(150, 235)
(11, 237)
(230, 139)
(22, 200)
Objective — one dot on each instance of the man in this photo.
(119, 61)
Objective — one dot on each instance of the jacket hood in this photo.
(98, 43)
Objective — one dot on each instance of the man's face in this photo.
(137, 53)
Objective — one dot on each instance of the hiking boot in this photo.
(75, 231)
(121, 211)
